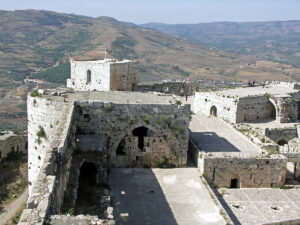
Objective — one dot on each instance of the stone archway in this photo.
(213, 111)
(273, 109)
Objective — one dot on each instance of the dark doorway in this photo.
(234, 183)
(282, 142)
(140, 132)
(87, 190)
(121, 147)
(213, 111)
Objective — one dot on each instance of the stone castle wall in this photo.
(226, 106)
(44, 119)
(47, 188)
(283, 108)
(254, 108)
(167, 130)
(250, 172)
(123, 76)
(277, 134)
(12, 142)
(100, 76)
(64, 133)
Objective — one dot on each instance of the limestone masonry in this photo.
(238, 138)
(280, 101)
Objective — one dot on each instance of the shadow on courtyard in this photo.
(138, 193)
(211, 142)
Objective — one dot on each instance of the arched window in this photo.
(213, 111)
(88, 77)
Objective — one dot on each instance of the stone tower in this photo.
(103, 75)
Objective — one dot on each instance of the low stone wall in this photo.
(12, 142)
(287, 222)
(181, 89)
(248, 172)
(79, 220)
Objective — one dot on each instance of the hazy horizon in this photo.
(169, 11)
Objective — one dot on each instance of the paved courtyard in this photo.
(251, 206)
(162, 197)
(213, 135)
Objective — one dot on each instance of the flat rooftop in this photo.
(249, 206)
(120, 97)
(254, 91)
(104, 61)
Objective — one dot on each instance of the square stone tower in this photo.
(103, 75)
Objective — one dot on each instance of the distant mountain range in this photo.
(278, 41)
(32, 41)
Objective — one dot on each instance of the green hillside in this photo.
(57, 74)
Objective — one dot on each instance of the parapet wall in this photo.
(181, 89)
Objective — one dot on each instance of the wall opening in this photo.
(141, 133)
(88, 77)
(213, 111)
(273, 110)
(121, 147)
(87, 189)
(234, 183)
(282, 142)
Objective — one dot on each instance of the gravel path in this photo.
(11, 209)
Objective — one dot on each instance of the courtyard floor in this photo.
(162, 197)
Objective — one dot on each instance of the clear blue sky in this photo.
(169, 11)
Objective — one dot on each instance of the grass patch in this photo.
(163, 163)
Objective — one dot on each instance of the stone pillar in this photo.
(287, 110)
